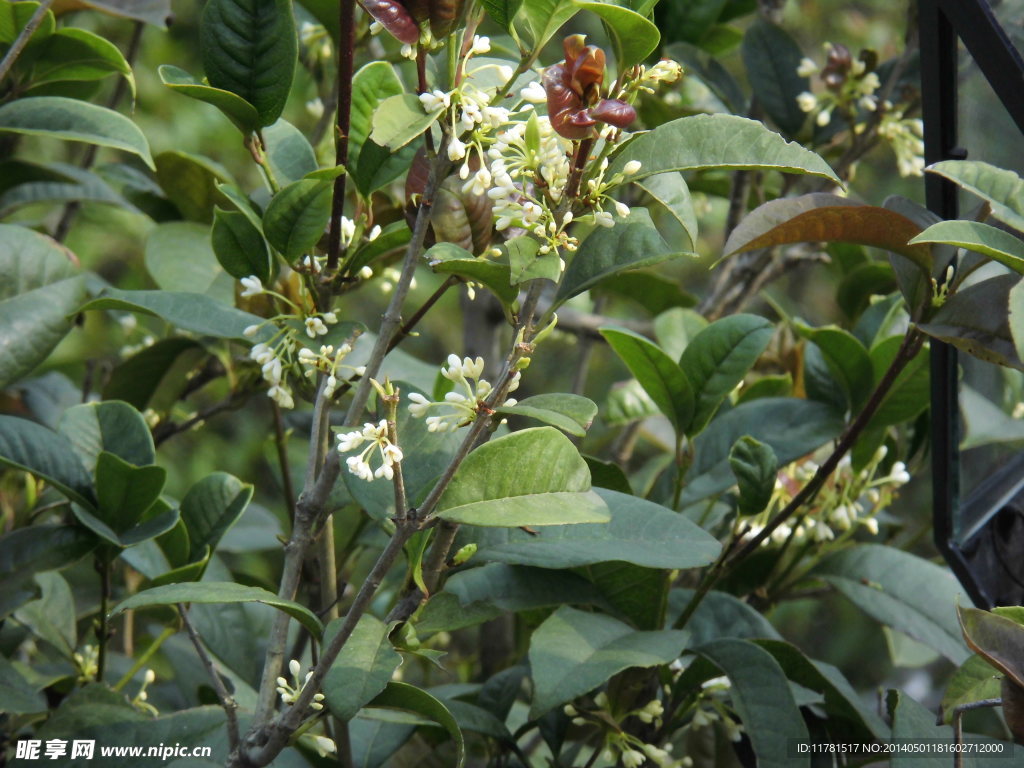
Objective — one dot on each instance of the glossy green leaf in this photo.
(633, 242)
(909, 394)
(573, 652)
(900, 590)
(659, 375)
(633, 35)
(691, 21)
(72, 54)
(724, 142)
(756, 469)
(363, 668)
(112, 426)
(33, 323)
(763, 700)
(412, 699)
(38, 548)
(570, 413)
(156, 521)
(821, 217)
(288, 152)
(998, 639)
(519, 588)
(250, 47)
(30, 260)
(373, 83)
(210, 508)
(187, 311)
(718, 358)
(447, 258)
(218, 592)
(191, 183)
(33, 448)
(975, 680)
(771, 58)
(671, 191)
(637, 594)
(1001, 189)
(975, 320)
(296, 217)
(14, 17)
(526, 263)
(639, 532)
(400, 119)
(793, 427)
(378, 166)
(239, 247)
(544, 17)
(532, 477)
(502, 11)
(234, 107)
(179, 257)
(125, 492)
(847, 360)
(63, 118)
(978, 237)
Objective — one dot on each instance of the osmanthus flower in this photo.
(462, 407)
(289, 692)
(376, 437)
(573, 89)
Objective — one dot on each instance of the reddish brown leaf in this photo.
(394, 17)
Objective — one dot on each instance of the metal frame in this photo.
(940, 24)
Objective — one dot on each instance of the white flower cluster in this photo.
(140, 702)
(906, 137)
(849, 499)
(665, 72)
(620, 745)
(858, 88)
(462, 406)
(289, 693)
(327, 361)
(376, 437)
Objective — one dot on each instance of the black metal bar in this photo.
(938, 42)
(998, 59)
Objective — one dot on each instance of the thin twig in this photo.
(346, 68)
(281, 441)
(227, 701)
(23, 37)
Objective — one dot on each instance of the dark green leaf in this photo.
(573, 652)
(362, 669)
(719, 615)
(27, 551)
(179, 258)
(28, 446)
(239, 246)
(288, 152)
(190, 182)
(635, 593)
(771, 58)
(908, 396)
(249, 47)
(295, 219)
(18, 695)
(975, 680)
(544, 17)
(234, 107)
(29, 260)
(502, 11)
(634, 35)
(111, 426)
(125, 492)
(137, 379)
(847, 360)
(450, 259)
(532, 477)
(756, 469)
(412, 699)
(671, 191)
(210, 508)
(978, 237)
(155, 12)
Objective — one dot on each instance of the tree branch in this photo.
(226, 700)
(23, 37)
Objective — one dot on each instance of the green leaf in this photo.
(900, 590)
(219, 592)
(158, 520)
(763, 700)
(400, 119)
(719, 615)
(63, 118)
(724, 142)
(771, 58)
(909, 394)
(187, 311)
(756, 470)
(633, 242)
(1001, 189)
(519, 588)
(412, 699)
(847, 360)
(573, 652)
(125, 492)
(821, 217)
(373, 83)
(690, 21)
(296, 217)
(178, 257)
(27, 551)
(975, 680)
(999, 640)
(33, 323)
(793, 427)
(155, 12)
(52, 616)
(532, 477)
(33, 448)
(634, 35)
(378, 166)
(138, 378)
(110, 426)
(978, 237)
(29, 260)
(14, 17)
(718, 358)
(18, 695)
(657, 373)
(671, 191)
(61, 183)
(545, 17)
(570, 413)
(239, 246)
(210, 508)
(362, 669)
(502, 11)
(234, 107)
(634, 593)
(450, 259)
(288, 152)
(975, 320)
(191, 183)
(72, 54)
(249, 47)
(1015, 307)
(525, 262)
(639, 532)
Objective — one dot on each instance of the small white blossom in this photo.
(807, 101)
(377, 437)
(250, 331)
(456, 149)
(251, 286)
(534, 93)
(480, 45)
(435, 100)
(631, 168)
(807, 67)
(621, 209)
(315, 327)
